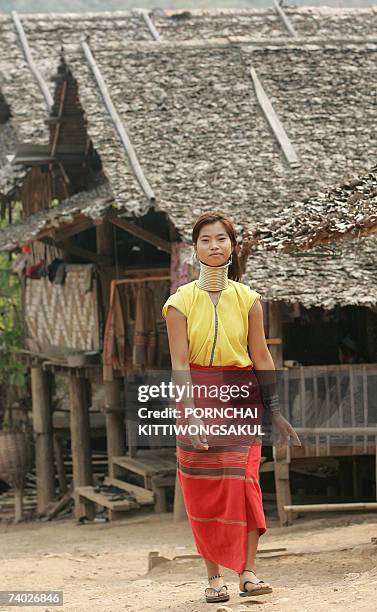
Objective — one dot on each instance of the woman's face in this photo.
(214, 246)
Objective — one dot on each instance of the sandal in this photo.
(220, 596)
(258, 590)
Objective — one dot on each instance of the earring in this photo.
(194, 257)
(230, 259)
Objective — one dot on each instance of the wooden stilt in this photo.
(80, 439)
(43, 431)
(115, 413)
(18, 504)
(115, 430)
(59, 460)
(283, 492)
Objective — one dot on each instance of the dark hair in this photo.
(211, 217)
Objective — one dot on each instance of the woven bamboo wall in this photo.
(63, 316)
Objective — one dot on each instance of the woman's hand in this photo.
(199, 440)
(282, 431)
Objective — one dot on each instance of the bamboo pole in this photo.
(331, 507)
(274, 121)
(285, 19)
(150, 25)
(337, 431)
(30, 61)
(118, 124)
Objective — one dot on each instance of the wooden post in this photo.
(115, 431)
(59, 459)
(375, 464)
(180, 513)
(283, 492)
(115, 415)
(105, 246)
(281, 465)
(80, 438)
(43, 432)
(275, 330)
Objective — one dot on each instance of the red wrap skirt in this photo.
(221, 489)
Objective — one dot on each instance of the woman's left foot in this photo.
(251, 585)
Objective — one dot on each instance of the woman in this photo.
(214, 324)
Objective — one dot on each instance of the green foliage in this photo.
(12, 373)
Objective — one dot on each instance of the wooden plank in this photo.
(274, 121)
(143, 496)
(76, 250)
(103, 500)
(118, 124)
(164, 480)
(139, 232)
(30, 61)
(62, 503)
(71, 230)
(285, 19)
(146, 466)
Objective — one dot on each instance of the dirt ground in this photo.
(330, 564)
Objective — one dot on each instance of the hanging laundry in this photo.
(145, 336)
(37, 270)
(56, 271)
(114, 341)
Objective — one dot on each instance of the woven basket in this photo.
(16, 457)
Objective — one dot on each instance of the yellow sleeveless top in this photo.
(217, 335)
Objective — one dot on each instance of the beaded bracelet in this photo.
(272, 403)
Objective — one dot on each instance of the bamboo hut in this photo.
(173, 114)
(322, 254)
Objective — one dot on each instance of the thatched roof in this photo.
(86, 204)
(344, 212)
(192, 115)
(9, 173)
(201, 139)
(342, 273)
